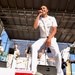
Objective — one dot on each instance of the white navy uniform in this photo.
(45, 25)
(65, 54)
(43, 59)
(15, 52)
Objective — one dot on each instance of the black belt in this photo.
(45, 37)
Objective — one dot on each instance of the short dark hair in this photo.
(15, 44)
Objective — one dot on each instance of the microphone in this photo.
(40, 11)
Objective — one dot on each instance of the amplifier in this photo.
(3, 64)
(47, 70)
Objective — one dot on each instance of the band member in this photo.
(48, 28)
(42, 57)
(16, 51)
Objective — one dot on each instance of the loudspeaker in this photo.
(3, 64)
(47, 70)
(11, 51)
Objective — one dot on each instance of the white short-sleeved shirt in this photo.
(43, 59)
(46, 24)
(16, 51)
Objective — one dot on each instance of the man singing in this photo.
(48, 28)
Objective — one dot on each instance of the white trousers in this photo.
(54, 49)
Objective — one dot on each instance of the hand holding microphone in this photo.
(40, 12)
